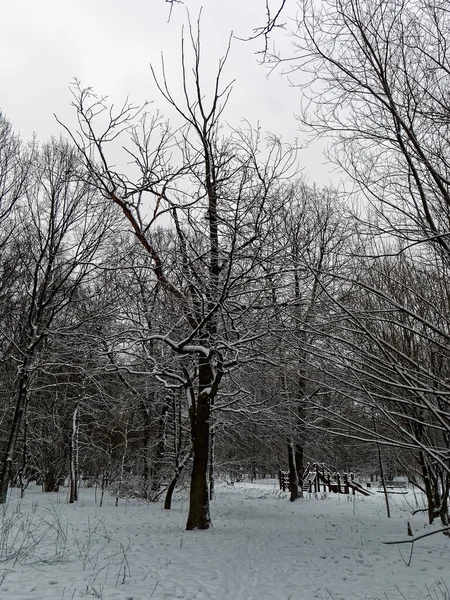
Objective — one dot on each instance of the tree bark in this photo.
(160, 450)
(173, 483)
(170, 491)
(299, 466)
(199, 516)
(211, 467)
(293, 476)
(23, 467)
(14, 432)
(383, 481)
(50, 481)
(73, 496)
(146, 442)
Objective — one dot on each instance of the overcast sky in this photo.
(108, 44)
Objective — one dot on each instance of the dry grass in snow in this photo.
(261, 547)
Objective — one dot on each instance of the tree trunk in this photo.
(293, 476)
(23, 467)
(444, 480)
(169, 493)
(380, 463)
(156, 472)
(173, 483)
(73, 494)
(199, 516)
(211, 467)
(50, 482)
(146, 444)
(436, 490)
(103, 488)
(15, 428)
(383, 481)
(443, 510)
(299, 466)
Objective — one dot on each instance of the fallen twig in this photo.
(419, 537)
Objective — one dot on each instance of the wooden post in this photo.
(317, 479)
(338, 481)
(346, 486)
(352, 479)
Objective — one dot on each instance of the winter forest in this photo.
(190, 329)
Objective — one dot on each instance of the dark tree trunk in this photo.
(73, 494)
(428, 484)
(436, 486)
(169, 493)
(443, 509)
(104, 485)
(299, 466)
(14, 432)
(211, 467)
(159, 452)
(173, 483)
(293, 477)
(199, 516)
(299, 460)
(383, 481)
(300, 428)
(146, 443)
(444, 485)
(177, 444)
(382, 475)
(23, 484)
(50, 482)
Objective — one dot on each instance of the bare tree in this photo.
(376, 84)
(14, 168)
(216, 195)
(56, 242)
(377, 81)
(386, 364)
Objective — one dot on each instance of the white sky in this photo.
(108, 44)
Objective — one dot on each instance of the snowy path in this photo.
(261, 548)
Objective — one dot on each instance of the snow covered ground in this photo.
(261, 548)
